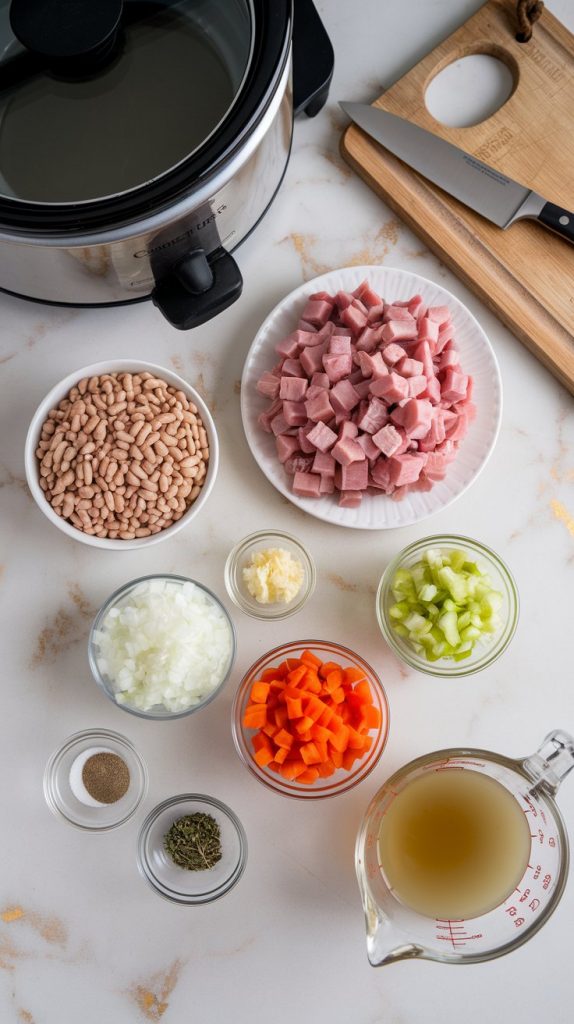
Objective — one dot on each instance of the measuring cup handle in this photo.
(552, 761)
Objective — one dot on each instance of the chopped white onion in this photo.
(167, 643)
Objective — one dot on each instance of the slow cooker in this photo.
(141, 142)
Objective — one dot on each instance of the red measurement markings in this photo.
(531, 808)
(453, 932)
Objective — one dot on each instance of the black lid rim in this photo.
(272, 39)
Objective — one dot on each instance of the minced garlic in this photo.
(273, 576)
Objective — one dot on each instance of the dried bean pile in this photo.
(123, 455)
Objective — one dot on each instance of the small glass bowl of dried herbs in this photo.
(192, 849)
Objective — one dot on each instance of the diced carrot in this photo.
(291, 769)
(311, 659)
(259, 693)
(254, 716)
(344, 713)
(303, 724)
(283, 738)
(354, 675)
(312, 682)
(363, 692)
(261, 742)
(322, 750)
(314, 709)
(296, 675)
(334, 680)
(349, 758)
(270, 729)
(305, 737)
(280, 715)
(340, 739)
(354, 703)
(294, 707)
(327, 716)
(328, 666)
(371, 716)
(338, 695)
(293, 693)
(281, 754)
(310, 754)
(326, 768)
(356, 741)
(319, 732)
(309, 776)
(263, 757)
(270, 675)
(336, 757)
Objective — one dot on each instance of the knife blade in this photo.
(480, 187)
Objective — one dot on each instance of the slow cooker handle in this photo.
(313, 59)
(198, 286)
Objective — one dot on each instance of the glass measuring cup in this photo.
(396, 932)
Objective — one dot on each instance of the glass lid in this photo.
(99, 97)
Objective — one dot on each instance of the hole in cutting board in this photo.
(469, 90)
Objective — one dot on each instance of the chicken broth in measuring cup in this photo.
(453, 844)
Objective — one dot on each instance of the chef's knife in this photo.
(482, 188)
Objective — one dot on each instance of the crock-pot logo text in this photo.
(139, 255)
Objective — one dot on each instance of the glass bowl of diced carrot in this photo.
(310, 719)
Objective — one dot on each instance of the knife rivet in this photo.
(564, 220)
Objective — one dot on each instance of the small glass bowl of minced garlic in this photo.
(270, 575)
(95, 780)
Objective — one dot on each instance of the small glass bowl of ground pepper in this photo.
(96, 780)
(192, 849)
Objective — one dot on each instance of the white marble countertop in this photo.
(82, 937)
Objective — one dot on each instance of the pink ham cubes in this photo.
(454, 387)
(393, 388)
(406, 468)
(400, 330)
(321, 437)
(319, 407)
(292, 389)
(307, 485)
(388, 440)
(354, 477)
(347, 450)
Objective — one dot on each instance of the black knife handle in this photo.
(559, 220)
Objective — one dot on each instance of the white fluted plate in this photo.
(379, 512)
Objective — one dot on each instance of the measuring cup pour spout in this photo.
(385, 945)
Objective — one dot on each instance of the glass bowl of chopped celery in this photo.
(448, 605)
(162, 646)
(270, 575)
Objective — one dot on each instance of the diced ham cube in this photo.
(337, 366)
(405, 469)
(348, 429)
(350, 499)
(320, 380)
(343, 299)
(340, 344)
(372, 365)
(265, 418)
(304, 325)
(268, 385)
(279, 425)
(308, 338)
(363, 388)
(307, 485)
(327, 484)
(415, 305)
(400, 330)
(293, 389)
(374, 418)
(376, 313)
(346, 451)
(286, 447)
(454, 386)
(423, 352)
(354, 477)
(324, 464)
(458, 430)
(317, 311)
(418, 385)
(415, 416)
(392, 353)
(367, 340)
(409, 367)
(312, 391)
(345, 394)
(428, 330)
(319, 407)
(312, 359)
(440, 314)
(367, 295)
(392, 388)
(432, 391)
(449, 358)
(292, 368)
(381, 474)
(369, 447)
(305, 444)
(354, 318)
(298, 464)
(288, 347)
(388, 440)
(322, 437)
(294, 413)
(395, 312)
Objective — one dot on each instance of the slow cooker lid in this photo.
(100, 99)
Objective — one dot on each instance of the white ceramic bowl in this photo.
(58, 392)
(378, 512)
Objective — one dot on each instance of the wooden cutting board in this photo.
(524, 274)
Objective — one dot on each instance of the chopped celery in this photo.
(444, 605)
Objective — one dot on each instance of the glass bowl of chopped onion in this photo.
(205, 862)
(270, 575)
(448, 606)
(162, 646)
(310, 719)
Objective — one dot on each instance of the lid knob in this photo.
(67, 30)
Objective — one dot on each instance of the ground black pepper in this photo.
(106, 777)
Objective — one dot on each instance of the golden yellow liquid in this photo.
(454, 844)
